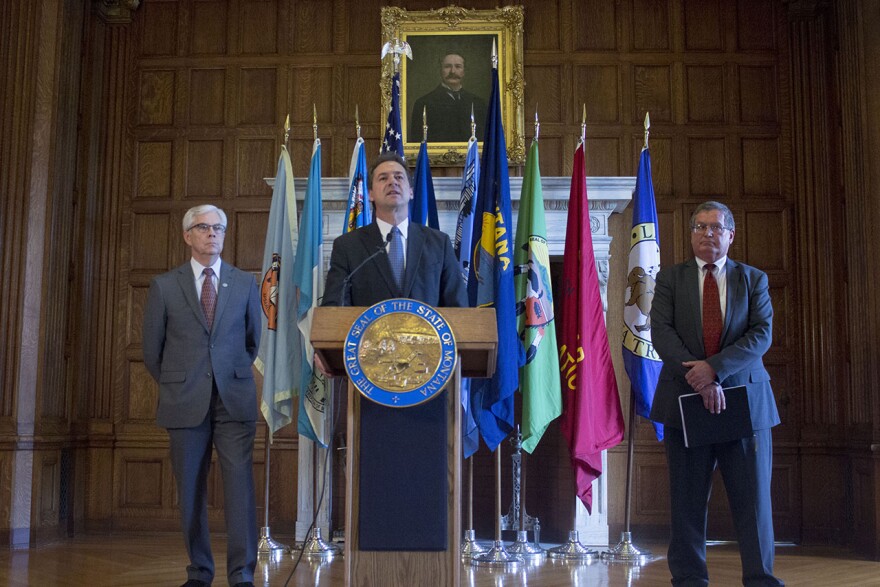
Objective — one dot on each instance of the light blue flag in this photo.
(308, 278)
(463, 234)
(359, 210)
(393, 139)
(639, 357)
(280, 355)
(423, 206)
(490, 284)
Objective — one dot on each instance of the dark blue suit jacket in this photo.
(186, 358)
(432, 274)
(677, 334)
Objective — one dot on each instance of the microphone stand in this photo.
(345, 294)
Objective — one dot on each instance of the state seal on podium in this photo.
(400, 353)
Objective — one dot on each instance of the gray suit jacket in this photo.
(186, 359)
(677, 334)
(432, 274)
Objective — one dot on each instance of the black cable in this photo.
(323, 488)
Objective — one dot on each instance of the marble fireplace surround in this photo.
(607, 195)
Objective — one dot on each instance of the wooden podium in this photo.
(477, 342)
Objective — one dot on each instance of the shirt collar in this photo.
(385, 228)
(198, 268)
(719, 264)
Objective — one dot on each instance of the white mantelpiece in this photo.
(607, 195)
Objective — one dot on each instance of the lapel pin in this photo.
(225, 285)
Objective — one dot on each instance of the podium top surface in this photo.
(475, 330)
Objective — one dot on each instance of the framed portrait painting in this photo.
(448, 80)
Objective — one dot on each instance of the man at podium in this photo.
(403, 486)
(393, 257)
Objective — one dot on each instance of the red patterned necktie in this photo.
(209, 296)
(712, 322)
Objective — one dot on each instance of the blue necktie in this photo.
(395, 256)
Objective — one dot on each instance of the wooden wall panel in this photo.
(705, 93)
(156, 104)
(757, 94)
(258, 90)
(703, 26)
(208, 27)
(651, 22)
(545, 82)
(312, 27)
(143, 395)
(256, 19)
(708, 167)
(150, 234)
(652, 92)
(207, 96)
(760, 167)
(154, 167)
(161, 18)
(596, 25)
(756, 25)
(249, 250)
(204, 170)
(542, 33)
(255, 160)
(598, 87)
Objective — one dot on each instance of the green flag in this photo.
(539, 377)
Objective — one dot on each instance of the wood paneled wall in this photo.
(122, 115)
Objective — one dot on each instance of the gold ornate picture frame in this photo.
(469, 33)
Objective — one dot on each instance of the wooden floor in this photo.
(160, 560)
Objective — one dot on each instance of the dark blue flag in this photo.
(640, 360)
(490, 284)
(423, 206)
(393, 140)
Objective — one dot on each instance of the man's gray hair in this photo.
(189, 217)
(712, 205)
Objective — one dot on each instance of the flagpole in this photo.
(469, 546)
(315, 546)
(497, 557)
(267, 546)
(573, 549)
(625, 551)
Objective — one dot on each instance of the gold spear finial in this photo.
(315, 121)
(584, 125)
(494, 55)
(537, 124)
(357, 121)
(473, 123)
(424, 124)
(647, 126)
(286, 128)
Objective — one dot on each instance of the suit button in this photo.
(212, 347)
(208, 375)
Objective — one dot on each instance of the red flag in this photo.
(592, 420)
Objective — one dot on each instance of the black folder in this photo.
(701, 427)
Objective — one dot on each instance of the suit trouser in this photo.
(191, 459)
(746, 467)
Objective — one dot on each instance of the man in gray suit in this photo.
(711, 325)
(200, 337)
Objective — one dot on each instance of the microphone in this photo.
(346, 283)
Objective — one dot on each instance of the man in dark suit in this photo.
(430, 275)
(200, 337)
(448, 107)
(711, 325)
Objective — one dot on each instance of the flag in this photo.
(393, 140)
(423, 206)
(463, 233)
(490, 284)
(358, 210)
(639, 357)
(591, 417)
(538, 378)
(308, 277)
(279, 358)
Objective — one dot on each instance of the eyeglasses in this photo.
(699, 227)
(204, 228)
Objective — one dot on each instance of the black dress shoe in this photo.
(195, 583)
(244, 584)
